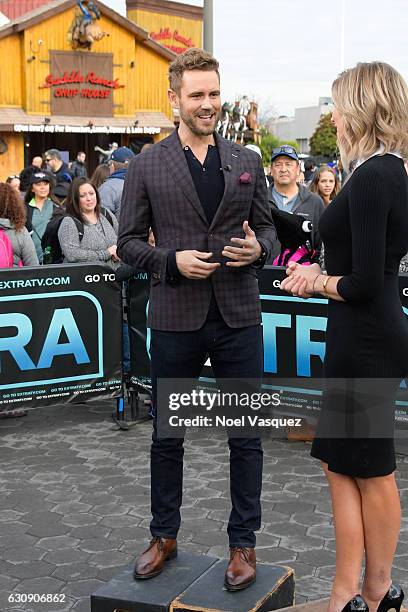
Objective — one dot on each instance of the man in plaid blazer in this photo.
(205, 199)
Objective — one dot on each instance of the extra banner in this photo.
(294, 347)
(60, 335)
(294, 343)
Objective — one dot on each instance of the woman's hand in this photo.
(112, 251)
(300, 279)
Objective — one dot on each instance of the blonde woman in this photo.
(326, 184)
(365, 232)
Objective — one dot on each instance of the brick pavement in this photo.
(74, 506)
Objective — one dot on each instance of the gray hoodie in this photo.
(21, 241)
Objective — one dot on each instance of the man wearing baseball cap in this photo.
(286, 194)
(111, 190)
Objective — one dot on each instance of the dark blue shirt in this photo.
(208, 179)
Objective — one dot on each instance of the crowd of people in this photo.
(64, 216)
(72, 218)
(52, 213)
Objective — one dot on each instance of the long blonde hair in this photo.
(372, 99)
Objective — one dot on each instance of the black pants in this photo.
(234, 353)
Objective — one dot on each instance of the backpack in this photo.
(63, 182)
(6, 251)
(50, 242)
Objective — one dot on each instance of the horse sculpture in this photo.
(233, 121)
(239, 115)
(83, 30)
(225, 125)
(106, 153)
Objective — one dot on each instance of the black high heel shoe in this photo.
(392, 600)
(357, 604)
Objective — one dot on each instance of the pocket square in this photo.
(245, 178)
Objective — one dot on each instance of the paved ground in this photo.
(74, 506)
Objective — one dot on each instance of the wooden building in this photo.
(177, 26)
(15, 8)
(53, 95)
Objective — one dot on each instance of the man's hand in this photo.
(190, 264)
(248, 251)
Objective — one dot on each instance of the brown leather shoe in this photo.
(151, 561)
(241, 570)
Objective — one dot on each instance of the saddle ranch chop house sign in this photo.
(75, 84)
(81, 84)
(168, 38)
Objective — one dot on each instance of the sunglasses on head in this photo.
(13, 176)
(284, 149)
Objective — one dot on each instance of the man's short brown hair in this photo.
(192, 59)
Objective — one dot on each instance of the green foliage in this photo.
(324, 140)
(269, 142)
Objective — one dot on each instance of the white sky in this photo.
(286, 53)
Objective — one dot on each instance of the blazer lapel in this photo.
(178, 168)
(229, 158)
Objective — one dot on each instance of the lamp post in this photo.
(343, 19)
(208, 25)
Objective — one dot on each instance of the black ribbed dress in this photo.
(365, 234)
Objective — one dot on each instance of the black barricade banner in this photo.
(138, 303)
(60, 335)
(294, 344)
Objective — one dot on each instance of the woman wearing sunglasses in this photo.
(14, 181)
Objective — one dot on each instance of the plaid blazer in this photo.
(159, 192)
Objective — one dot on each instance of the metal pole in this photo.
(342, 34)
(208, 26)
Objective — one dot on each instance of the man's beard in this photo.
(196, 129)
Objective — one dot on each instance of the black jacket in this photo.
(78, 169)
(57, 211)
(63, 179)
